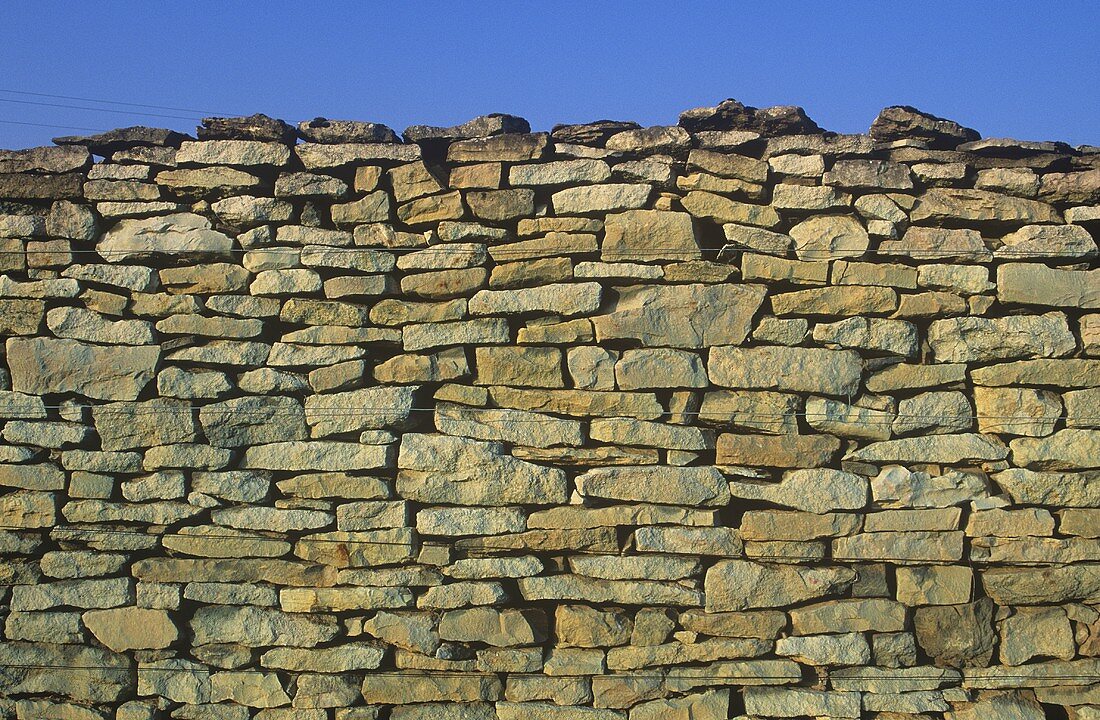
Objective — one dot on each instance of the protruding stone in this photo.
(902, 122)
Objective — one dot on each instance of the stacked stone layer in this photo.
(734, 418)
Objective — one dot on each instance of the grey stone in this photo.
(179, 234)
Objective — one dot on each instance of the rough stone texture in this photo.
(734, 417)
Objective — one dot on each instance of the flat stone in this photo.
(1032, 632)
(743, 585)
(1047, 241)
(799, 702)
(948, 449)
(921, 243)
(626, 592)
(481, 126)
(650, 140)
(901, 547)
(625, 431)
(783, 451)
(837, 300)
(956, 635)
(1059, 489)
(649, 236)
(854, 615)
(825, 237)
(317, 455)
(45, 365)
(323, 130)
(592, 199)
(1069, 449)
(897, 337)
(664, 485)
(324, 156)
(505, 425)
(110, 142)
(131, 628)
(722, 210)
(437, 468)
(560, 172)
(816, 491)
(257, 127)
(511, 147)
(342, 599)
(245, 153)
(983, 339)
(934, 585)
(125, 426)
(1036, 284)
(499, 628)
(178, 234)
(1017, 411)
(470, 521)
(564, 299)
(957, 206)
(828, 372)
(869, 175)
(902, 122)
(260, 627)
(407, 687)
(83, 674)
(686, 316)
(357, 410)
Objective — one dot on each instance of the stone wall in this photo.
(730, 418)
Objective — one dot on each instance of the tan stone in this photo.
(743, 585)
(131, 628)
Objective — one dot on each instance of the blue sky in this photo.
(1007, 68)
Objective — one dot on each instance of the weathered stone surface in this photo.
(956, 635)
(1057, 242)
(934, 585)
(83, 674)
(1069, 449)
(259, 627)
(688, 316)
(179, 234)
(783, 451)
(317, 455)
(672, 486)
(406, 687)
(949, 449)
(627, 592)
(130, 628)
(500, 628)
(649, 236)
(984, 339)
(1028, 487)
(901, 122)
(44, 365)
(856, 615)
(722, 210)
(742, 585)
(825, 237)
(797, 702)
(437, 468)
(816, 491)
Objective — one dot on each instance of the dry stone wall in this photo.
(732, 418)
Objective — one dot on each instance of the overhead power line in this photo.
(117, 102)
(58, 127)
(94, 109)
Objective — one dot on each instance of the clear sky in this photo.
(1006, 68)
